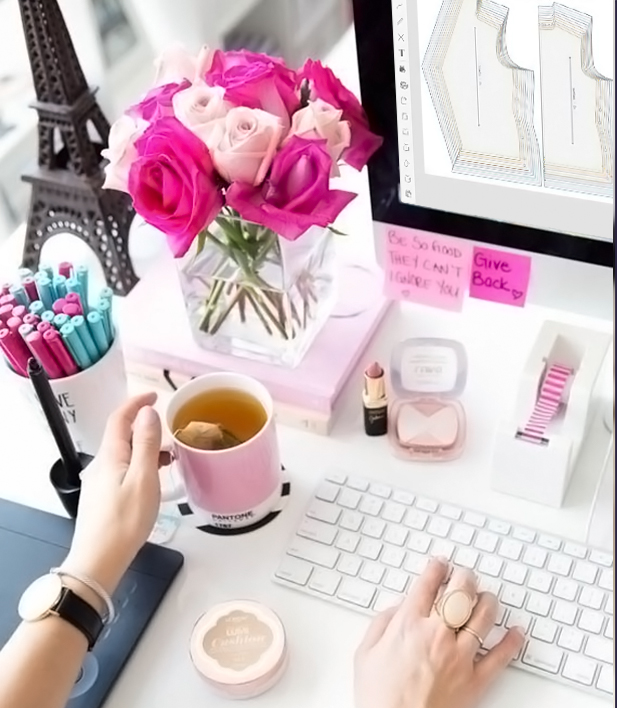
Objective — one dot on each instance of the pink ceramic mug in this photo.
(238, 486)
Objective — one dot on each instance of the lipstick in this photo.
(375, 401)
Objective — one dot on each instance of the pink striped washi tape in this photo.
(547, 406)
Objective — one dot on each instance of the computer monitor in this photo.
(498, 126)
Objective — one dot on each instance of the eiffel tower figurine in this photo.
(67, 187)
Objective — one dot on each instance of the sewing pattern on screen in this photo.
(491, 135)
(577, 105)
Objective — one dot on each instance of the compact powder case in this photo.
(239, 648)
(427, 422)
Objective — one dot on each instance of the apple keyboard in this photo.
(361, 543)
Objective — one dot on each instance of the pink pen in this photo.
(9, 300)
(6, 311)
(71, 309)
(20, 311)
(41, 351)
(59, 306)
(65, 268)
(13, 324)
(74, 299)
(30, 288)
(16, 351)
(54, 341)
(5, 289)
(31, 319)
(43, 327)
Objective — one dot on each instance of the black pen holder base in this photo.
(66, 489)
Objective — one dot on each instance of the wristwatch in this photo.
(49, 596)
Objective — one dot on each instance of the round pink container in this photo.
(239, 648)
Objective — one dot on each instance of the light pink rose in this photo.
(248, 146)
(176, 64)
(319, 120)
(121, 152)
(202, 109)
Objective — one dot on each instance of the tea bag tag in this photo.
(206, 436)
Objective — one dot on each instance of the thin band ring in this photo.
(455, 608)
(473, 633)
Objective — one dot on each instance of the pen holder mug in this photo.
(235, 487)
(87, 398)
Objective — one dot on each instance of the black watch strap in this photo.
(80, 614)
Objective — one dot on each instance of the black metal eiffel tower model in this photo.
(67, 187)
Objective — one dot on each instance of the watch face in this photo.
(40, 598)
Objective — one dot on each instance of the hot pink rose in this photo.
(172, 183)
(319, 120)
(121, 152)
(255, 81)
(176, 64)
(158, 102)
(248, 146)
(202, 109)
(324, 84)
(297, 194)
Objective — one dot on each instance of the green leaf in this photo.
(336, 232)
(201, 242)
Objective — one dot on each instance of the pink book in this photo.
(156, 333)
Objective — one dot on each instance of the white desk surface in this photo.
(323, 637)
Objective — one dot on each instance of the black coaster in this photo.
(186, 512)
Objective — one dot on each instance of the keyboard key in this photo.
(318, 531)
(462, 534)
(439, 526)
(559, 564)
(380, 490)
(491, 565)
(545, 630)
(539, 604)
(518, 619)
(606, 680)
(416, 519)
(347, 541)
(386, 600)
(535, 557)
(539, 580)
(322, 511)
(442, 549)
(474, 519)
(486, 541)
(427, 505)
(513, 596)
(565, 589)
(328, 492)
(374, 528)
(609, 632)
(393, 556)
(585, 573)
(415, 563)
(349, 565)
(500, 527)
(549, 542)
(372, 573)
(404, 498)
(313, 552)
(419, 542)
(494, 637)
(571, 639)
(565, 612)
(592, 598)
(515, 573)
(601, 559)
(543, 656)
(349, 499)
(580, 670)
(486, 584)
(396, 580)
(466, 558)
(369, 548)
(524, 535)
(357, 483)
(600, 649)
(325, 581)
(396, 535)
(337, 477)
(451, 512)
(606, 580)
(370, 505)
(590, 621)
(393, 512)
(351, 521)
(356, 592)
(575, 550)
(294, 571)
(610, 604)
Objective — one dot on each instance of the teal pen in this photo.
(46, 292)
(107, 294)
(75, 346)
(47, 269)
(81, 327)
(24, 273)
(97, 329)
(59, 283)
(60, 320)
(74, 286)
(81, 273)
(37, 307)
(18, 292)
(48, 316)
(104, 307)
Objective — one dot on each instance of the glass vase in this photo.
(251, 293)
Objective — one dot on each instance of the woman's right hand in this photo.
(409, 658)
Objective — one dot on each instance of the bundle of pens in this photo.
(47, 315)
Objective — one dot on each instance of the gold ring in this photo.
(455, 608)
(473, 633)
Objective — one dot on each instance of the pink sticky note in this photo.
(499, 276)
(426, 268)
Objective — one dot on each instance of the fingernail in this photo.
(521, 631)
(147, 416)
(444, 562)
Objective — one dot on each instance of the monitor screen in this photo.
(498, 120)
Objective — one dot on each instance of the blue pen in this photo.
(75, 346)
(18, 292)
(104, 307)
(60, 320)
(81, 327)
(107, 294)
(97, 329)
(74, 286)
(81, 273)
(48, 270)
(37, 307)
(59, 283)
(46, 294)
(24, 273)
(48, 316)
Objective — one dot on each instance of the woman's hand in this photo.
(120, 495)
(411, 659)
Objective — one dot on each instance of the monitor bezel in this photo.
(375, 48)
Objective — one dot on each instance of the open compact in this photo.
(427, 421)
